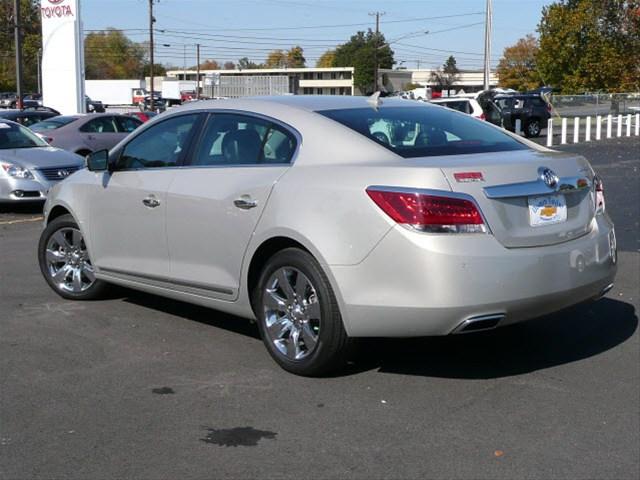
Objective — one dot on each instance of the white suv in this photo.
(464, 105)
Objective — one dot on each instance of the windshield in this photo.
(13, 135)
(425, 131)
(53, 123)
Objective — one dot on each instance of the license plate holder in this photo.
(547, 210)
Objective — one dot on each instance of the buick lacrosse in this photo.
(330, 218)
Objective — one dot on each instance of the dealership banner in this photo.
(62, 56)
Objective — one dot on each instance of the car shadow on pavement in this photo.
(578, 333)
(193, 312)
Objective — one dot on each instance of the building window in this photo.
(333, 75)
(318, 91)
(333, 91)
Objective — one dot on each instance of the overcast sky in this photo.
(231, 29)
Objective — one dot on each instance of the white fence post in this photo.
(628, 125)
(550, 132)
(598, 127)
(637, 124)
(563, 132)
(576, 129)
(518, 126)
(587, 133)
(609, 120)
(619, 130)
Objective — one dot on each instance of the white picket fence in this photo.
(623, 127)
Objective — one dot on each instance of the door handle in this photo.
(151, 202)
(245, 202)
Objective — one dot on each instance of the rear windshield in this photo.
(424, 131)
(53, 123)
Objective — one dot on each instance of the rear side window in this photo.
(424, 131)
(100, 125)
(459, 106)
(231, 139)
(128, 124)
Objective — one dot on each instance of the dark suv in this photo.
(531, 109)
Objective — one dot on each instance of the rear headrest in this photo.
(241, 146)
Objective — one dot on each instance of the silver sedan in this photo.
(29, 166)
(296, 212)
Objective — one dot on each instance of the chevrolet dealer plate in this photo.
(547, 210)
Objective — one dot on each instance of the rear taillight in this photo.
(483, 116)
(599, 194)
(428, 212)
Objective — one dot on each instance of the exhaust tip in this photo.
(604, 291)
(479, 323)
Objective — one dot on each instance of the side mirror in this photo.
(98, 161)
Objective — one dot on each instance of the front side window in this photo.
(424, 131)
(161, 145)
(230, 139)
(100, 125)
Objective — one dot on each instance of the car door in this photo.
(217, 197)
(128, 207)
(100, 133)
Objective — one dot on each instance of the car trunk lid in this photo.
(521, 210)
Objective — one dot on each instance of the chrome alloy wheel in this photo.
(68, 262)
(292, 313)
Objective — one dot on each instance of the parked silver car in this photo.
(290, 211)
(83, 134)
(29, 166)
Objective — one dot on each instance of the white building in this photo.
(468, 80)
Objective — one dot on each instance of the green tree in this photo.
(112, 55)
(245, 64)
(589, 45)
(327, 59)
(360, 52)
(31, 45)
(517, 68)
(295, 57)
(447, 75)
(276, 59)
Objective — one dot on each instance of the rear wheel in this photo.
(533, 128)
(298, 315)
(65, 262)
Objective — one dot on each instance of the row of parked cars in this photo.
(503, 109)
(39, 147)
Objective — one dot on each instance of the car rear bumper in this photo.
(415, 284)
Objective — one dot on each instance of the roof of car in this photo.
(311, 103)
(451, 99)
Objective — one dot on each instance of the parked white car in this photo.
(290, 211)
(469, 106)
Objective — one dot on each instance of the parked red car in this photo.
(143, 116)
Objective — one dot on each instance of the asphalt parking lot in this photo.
(142, 387)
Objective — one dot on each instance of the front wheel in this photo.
(65, 262)
(298, 315)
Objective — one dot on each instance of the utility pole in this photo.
(377, 46)
(184, 62)
(18, 42)
(487, 44)
(198, 71)
(151, 22)
(38, 55)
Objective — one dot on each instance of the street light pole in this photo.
(487, 45)
(151, 21)
(18, 43)
(375, 50)
(198, 71)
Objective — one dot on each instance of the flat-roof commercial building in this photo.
(468, 80)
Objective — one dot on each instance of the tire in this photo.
(288, 310)
(65, 263)
(533, 128)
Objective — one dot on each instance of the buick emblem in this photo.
(63, 173)
(548, 176)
